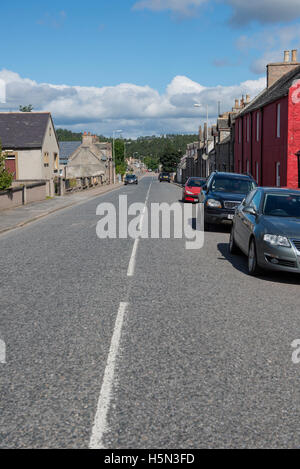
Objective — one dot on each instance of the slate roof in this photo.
(226, 140)
(278, 90)
(23, 129)
(66, 149)
(223, 123)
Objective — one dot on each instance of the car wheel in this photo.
(253, 267)
(233, 247)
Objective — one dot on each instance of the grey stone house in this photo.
(90, 159)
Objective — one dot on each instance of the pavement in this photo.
(199, 357)
(20, 216)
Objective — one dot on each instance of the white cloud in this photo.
(243, 12)
(139, 110)
(264, 11)
(270, 44)
(183, 7)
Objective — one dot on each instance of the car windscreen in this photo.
(233, 185)
(195, 182)
(282, 205)
(165, 174)
(130, 177)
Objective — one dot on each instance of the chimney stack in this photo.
(247, 98)
(200, 133)
(286, 56)
(294, 55)
(275, 71)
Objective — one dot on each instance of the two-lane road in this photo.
(183, 350)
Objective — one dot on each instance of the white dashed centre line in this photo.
(131, 267)
(100, 422)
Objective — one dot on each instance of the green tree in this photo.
(170, 158)
(28, 108)
(121, 168)
(151, 162)
(65, 135)
(6, 177)
(119, 149)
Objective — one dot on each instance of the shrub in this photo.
(6, 177)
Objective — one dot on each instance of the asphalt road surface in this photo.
(120, 344)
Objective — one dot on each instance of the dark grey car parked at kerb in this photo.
(266, 227)
(130, 179)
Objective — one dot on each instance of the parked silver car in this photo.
(266, 227)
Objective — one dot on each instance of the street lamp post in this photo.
(207, 149)
(114, 159)
(200, 105)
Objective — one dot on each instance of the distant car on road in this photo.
(222, 194)
(192, 189)
(164, 177)
(130, 179)
(266, 227)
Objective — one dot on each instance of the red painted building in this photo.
(267, 131)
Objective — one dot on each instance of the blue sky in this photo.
(169, 53)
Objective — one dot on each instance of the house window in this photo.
(50, 131)
(248, 128)
(55, 161)
(278, 120)
(257, 126)
(278, 175)
(46, 159)
(257, 173)
(248, 166)
(240, 130)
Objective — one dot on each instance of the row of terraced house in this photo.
(260, 137)
(39, 162)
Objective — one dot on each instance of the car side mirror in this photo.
(250, 211)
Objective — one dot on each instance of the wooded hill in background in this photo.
(150, 149)
(143, 146)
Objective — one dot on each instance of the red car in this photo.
(192, 189)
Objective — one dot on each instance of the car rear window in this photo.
(282, 205)
(233, 185)
(196, 182)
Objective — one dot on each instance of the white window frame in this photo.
(278, 181)
(257, 126)
(248, 128)
(278, 120)
(248, 166)
(257, 172)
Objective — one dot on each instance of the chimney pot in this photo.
(286, 56)
(294, 55)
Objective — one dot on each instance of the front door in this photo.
(10, 165)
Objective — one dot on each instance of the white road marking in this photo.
(100, 422)
(131, 266)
